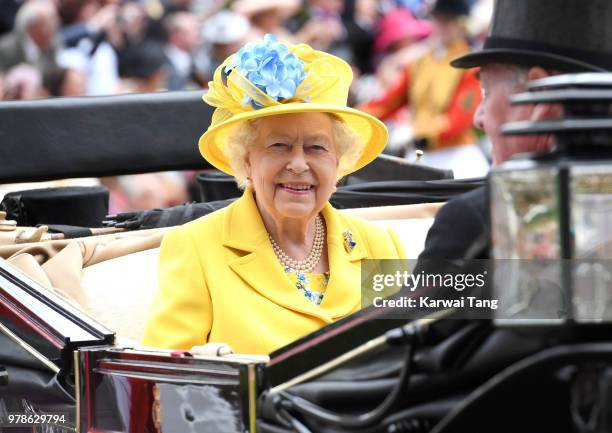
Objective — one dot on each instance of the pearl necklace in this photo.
(310, 262)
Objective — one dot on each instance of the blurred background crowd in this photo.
(399, 51)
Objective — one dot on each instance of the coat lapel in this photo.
(343, 294)
(243, 229)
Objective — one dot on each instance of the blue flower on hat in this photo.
(269, 66)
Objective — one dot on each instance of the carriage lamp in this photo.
(551, 213)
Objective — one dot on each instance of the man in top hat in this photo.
(528, 40)
(442, 99)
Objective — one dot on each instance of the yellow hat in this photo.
(266, 78)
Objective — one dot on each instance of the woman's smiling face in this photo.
(293, 164)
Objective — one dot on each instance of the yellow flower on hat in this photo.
(268, 77)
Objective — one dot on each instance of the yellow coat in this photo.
(220, 281)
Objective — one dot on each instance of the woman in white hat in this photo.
(268, 16)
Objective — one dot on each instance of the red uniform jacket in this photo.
(442, 99)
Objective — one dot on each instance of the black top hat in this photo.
(84, 206)
(566, 35)
(451, 8)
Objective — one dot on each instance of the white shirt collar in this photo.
(32, 52)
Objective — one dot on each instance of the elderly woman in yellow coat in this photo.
(280, 262)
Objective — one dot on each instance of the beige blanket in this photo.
(104, 276)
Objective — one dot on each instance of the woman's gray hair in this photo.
(349, 147)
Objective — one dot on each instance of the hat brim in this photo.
(370, 129)
(523, 57)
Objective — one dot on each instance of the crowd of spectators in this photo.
(51, 48)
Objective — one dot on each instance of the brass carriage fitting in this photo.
(419, 155)
(6, 225)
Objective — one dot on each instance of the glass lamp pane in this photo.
(591, 219)
(526, 245)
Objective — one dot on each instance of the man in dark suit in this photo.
(528, 40)
(183, 33)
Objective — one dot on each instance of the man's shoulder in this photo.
(458, 226)
(10, 44)
(9, 39)
(472, 204)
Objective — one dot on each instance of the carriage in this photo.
(73, 304)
